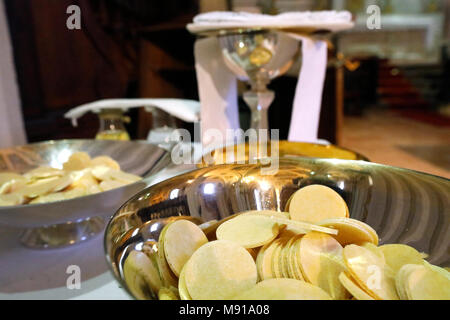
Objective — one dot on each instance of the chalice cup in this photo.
(257, 57)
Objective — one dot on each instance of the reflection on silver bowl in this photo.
(403, 206)
(69, 221)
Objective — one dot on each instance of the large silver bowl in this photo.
(403, 206)
(69, 221)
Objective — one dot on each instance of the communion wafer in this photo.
(353, 288)
(321, 263)
(377, 250)
(62, 183)
(374, 249)
(277, 269)
(59, 196)
(83, 179)
(9, 176)
(264, 260)
(294, 259)
(368, 271)
(286, 266)
(43, 172)
(400, 280)
(444, 271)
(315, 203)
(105, 173)
(182, 289)
(218, 270)
(77, 161)
(44, 186)
(81, 176)
(249, 231)
(298, 227)
(11, 199)
(12, 186)
(123, 176)
(141, 275)
(182, 238)
(167, 275)
(110, 184)
(104, 161)
(286, 207)
(421, 282)
(167, 294)
(268, 213)
(351, 231)
(209, 228)
(397, 255)
(36, 188)
(283, 289)
(424, 255)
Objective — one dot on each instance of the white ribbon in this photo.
(308, 94)
(217, 87)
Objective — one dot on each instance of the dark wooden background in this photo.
(125, 48)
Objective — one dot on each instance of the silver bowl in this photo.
(70, 221)
(403, 206)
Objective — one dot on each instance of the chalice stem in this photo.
(259, 102)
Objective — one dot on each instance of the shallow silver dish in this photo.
(403, 206)
(66, 222)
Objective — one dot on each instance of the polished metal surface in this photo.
(258, 56)
(247, 152)
(50, 223)
(60, 235)
(403, 206)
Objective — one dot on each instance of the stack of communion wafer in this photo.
(79, 176)
(313, 251)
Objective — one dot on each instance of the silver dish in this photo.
(403, 206)
(70, 221)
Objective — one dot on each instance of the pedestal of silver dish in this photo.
(60, 235)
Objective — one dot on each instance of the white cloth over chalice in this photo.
(218, 85)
